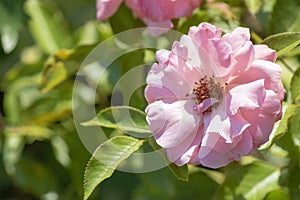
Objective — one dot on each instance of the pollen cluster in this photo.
(207, 87)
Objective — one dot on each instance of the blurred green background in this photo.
(43, 43)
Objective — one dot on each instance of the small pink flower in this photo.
(154, 13)
(213, 98)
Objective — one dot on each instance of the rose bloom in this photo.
(213, 98)
(154, 13)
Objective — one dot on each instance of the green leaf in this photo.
(107, 157)
(38, 132)
(283, 42)
(122, 20)
(121, 117)
(285, 16)
(251, 182)
(9, 39)
(199, 186)
(295, 86)
(253, 5)
(181, 172)
(60, 66)
(293, 180)
(278, 194)
(12, 151)
(48, 26)
(281, 127)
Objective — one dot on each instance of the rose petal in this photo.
(263, 52)
(183, 153)
(260, 69)
(237, 38)
(248, 96)
(172, 123)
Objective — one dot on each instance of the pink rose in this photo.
(213, 98)
(155, 13)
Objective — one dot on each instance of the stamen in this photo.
(207, 87)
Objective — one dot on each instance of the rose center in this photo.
(207, 87)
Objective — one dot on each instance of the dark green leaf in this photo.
(121, 117)
(199, 186)
(283, 42)
(122, 20)
(106, 159)
(285, 16)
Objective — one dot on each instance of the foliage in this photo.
(44, 43)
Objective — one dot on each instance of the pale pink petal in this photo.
(263, 52)
(183, 153)
(247, 96)
(106, 8)
(222, 51)
(261, 126)
(237, 38)
(203, 33)
(193, 55)
(244, 146)
(260, 69)
(204, 105)
(172, 123)
(157, 92)
(223, 153)
(162, 57)
(272, 105)
(190, 155)
(167, 78)
(228, 127)
(243, 58)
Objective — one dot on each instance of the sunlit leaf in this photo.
(121, 117)
(60, 66)
(12, 151)
(29, 131)
(278, 194)
(11, 21)
(9, 39)
(295, 86)
(253, 5)
(48, 26)
(283, 42)
(106, 159)
(251, 182)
